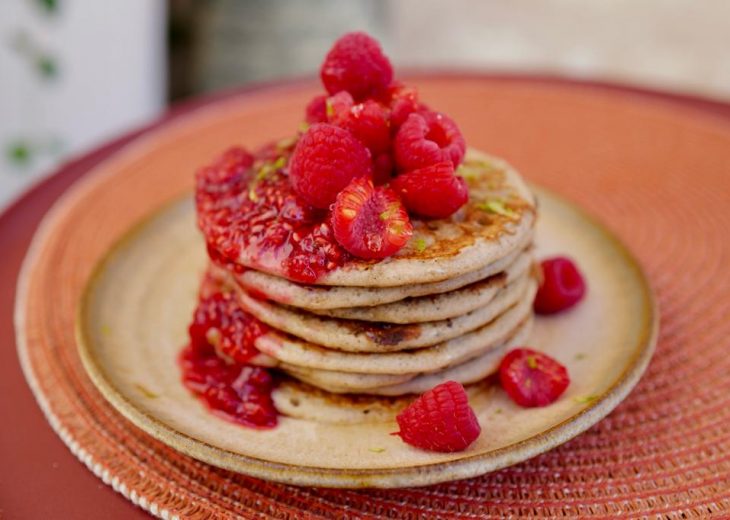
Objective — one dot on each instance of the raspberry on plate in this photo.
(316, 110)
(440, 420)
(562, 286)
(532, 378)
(370, 222)
(356, 63)
(324, 161)
(434, 191)
(426, 138)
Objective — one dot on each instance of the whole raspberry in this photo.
(356, 63)
(219, 322)
(227, 173)
(316, 111)
(440, 420)
(433, 191)
(532, 378)
(370, 222)
(403, 101)
(427, 138)
(324, 161)
(382, 168)
(368, 121)
(562, 286)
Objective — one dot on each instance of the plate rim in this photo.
(409, 476)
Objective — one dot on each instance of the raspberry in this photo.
(367, 121)
(220, 323)
(226, 174)
(356, 63)
(440, 420)
(532, 378)
(562, 286)
(403, 101)
(324, 161)
(382, 168)
(316, 111)
(433, 191)
(427, 138)
(370, 222)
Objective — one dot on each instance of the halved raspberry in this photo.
(316, 111)
(562, 286)
(367, 121)
(227, 173)
(433, 191)
(532, 378)
(440, 420)
(219, 322)
(356, 63)
(370, 222)
(324, 161)
(427, 138)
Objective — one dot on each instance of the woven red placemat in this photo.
(657, 174)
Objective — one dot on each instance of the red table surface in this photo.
(40, 477)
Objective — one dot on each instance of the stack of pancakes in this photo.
(446, 307)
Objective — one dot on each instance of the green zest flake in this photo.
(579, 356)
(498, 411)
(585, 399)
(146, 391)
(280, 163)
(532, 362)
(106, 330)
(419, 245)
(252, 194)
(497, 206)
(376, 450)
(286, 143)
(329, 109)
(303, 127)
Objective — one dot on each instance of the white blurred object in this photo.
(74, 73)
(679, 45)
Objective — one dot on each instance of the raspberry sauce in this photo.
(250, 215)
(235, 392)
(214, 364)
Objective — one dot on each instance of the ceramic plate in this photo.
(133, 319)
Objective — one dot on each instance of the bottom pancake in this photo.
(302, 401)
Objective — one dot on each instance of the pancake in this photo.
(315, 297)
(302, 401)
(441, 306)
(499, 213)
(363, 336)
(386, 384)
(288, 349)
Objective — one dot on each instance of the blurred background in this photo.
(74, 73)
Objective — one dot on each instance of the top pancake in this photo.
(493, 223)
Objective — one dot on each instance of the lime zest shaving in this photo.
(146, 391)
(532, 362)
(583, 399)
(497, 206)
(329, 110)
(580, 355)
(419, 244)
(376, 450)
(286, 143)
